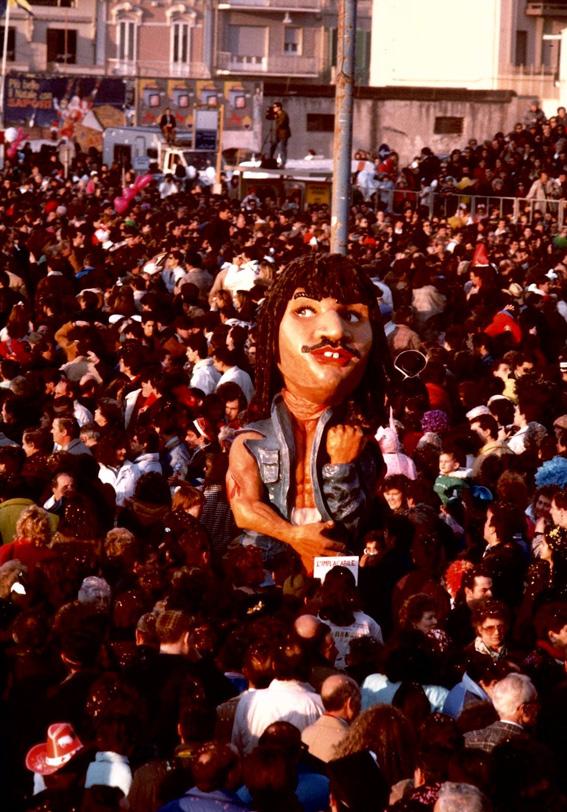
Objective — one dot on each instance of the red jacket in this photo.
(504, 322)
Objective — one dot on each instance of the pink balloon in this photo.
(142, 181)
(129, 194)
(121, 205)
(91, 187)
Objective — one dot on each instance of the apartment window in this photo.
(180, 43)
(521, 52)
(247, 42)
(362, 65)
(448, 125)
(293, 38)
(11, 47)
(333, 45)
(127, 35)
(62, 45)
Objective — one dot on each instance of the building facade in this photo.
(294, 39)
(62, 36)
(159, 38)
(196, 39)
(494, 44)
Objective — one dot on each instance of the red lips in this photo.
(333, 355)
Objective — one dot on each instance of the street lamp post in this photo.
(342, 142)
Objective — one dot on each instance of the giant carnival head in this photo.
(320, 336)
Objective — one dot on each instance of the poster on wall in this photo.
(63, 103)
(241, 100)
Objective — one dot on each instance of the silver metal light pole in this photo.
(342, 142)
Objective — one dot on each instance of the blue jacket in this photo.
(196, 801)
(312, 791)
(456, 700)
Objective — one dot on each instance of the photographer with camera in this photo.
(281, 132)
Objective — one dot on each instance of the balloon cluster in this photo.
(122, 203)
(14, 138)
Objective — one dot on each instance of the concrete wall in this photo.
(404, 121)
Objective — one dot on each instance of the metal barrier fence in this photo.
(442, 205)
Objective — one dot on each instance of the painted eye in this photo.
(305, 311)
(351, 317)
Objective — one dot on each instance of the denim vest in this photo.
(339, 491)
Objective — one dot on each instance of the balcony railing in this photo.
(71, 70)
(275, 65)
(271, 5)
(152, 68)
(122, 67)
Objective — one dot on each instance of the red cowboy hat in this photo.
(61, 745)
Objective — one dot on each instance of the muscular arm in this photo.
(251, 511)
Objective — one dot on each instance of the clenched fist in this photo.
(344, 444)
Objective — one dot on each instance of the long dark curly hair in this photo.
(323, 275)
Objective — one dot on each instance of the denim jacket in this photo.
(341, 492)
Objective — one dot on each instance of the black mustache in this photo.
(333, 345)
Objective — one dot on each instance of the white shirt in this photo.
(204, 376)
(378, 690)
(342, 635)
(283, 701)
(146, 463)
(81, 414)
(123, 479)
(242, 378)
(241, 277)
(517, 442)
(109, 769)
(167, 188)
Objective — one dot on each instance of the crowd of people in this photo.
(151, 660)
(529, 163)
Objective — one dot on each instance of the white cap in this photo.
(477, 412)
(498, 397)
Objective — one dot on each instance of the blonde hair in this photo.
(33, 525)
(117, 541)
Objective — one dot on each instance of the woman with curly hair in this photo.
(419, 614)
(386, 732)
(31, 544)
